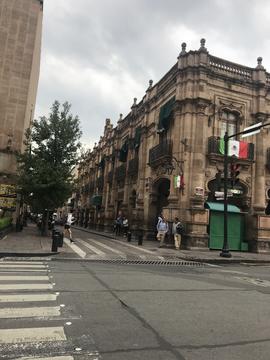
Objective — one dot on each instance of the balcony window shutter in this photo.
(137, 138)
(165, 115)
(123, 152)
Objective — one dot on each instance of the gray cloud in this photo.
(99, 55)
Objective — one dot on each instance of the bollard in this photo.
(140, 237)
(54, 241)
(129, 236)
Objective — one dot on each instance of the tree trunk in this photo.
(45, 220)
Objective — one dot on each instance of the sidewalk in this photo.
(28, 242)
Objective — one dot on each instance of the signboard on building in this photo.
(8, 197)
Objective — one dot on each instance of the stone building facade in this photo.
(20, 46)
(165, 156)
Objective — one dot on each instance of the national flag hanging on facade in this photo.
(235, 148)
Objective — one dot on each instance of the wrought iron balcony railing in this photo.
(160, 153)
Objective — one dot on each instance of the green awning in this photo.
(220, 207)
(165, 114)
(96, 200)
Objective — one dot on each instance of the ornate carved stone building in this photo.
(20, 44)
(166, 155)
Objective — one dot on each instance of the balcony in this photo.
(133, 166)
(215, 154)
(120, 172)
(160, 154)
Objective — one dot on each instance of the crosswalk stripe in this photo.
(134, 247)
(92, 248)
(47, 358)
(25, 287)
(19, 266)
(23, 277)
(22, 262)
(21, 270)
(27, 297)
(24, 335)
(8, 313)
(75, 248)
(107, 247)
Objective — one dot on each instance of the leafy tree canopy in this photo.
(51, 152)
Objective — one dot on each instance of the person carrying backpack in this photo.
(177, 230)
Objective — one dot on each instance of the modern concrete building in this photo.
(166, 156)
(20, 46)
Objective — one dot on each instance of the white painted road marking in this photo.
(138, 248)
(25, 286)
(22, 270)
(107, 247)
(14, 336)
(23, 278)
(91, 247)
(45, 311)
(27, 297)
(47, 358)
(19, 266)
(22, 262)
(75, 248)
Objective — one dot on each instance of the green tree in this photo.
(46, 166)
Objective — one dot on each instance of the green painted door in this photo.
(216, 230)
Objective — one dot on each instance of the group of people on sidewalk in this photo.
(163, 228)
(121, 225)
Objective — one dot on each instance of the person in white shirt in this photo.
(162, 229)
(67, 227)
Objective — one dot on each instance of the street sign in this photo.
(220, 194)
(251, 130)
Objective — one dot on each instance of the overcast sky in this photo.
(100, 54)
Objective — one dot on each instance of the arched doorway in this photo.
(158, 199)
(163, 192)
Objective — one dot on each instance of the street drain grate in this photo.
(149, 262)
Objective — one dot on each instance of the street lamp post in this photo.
(225, 249)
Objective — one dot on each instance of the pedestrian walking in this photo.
(177, 230)
(118, 224)
(67, 227)
(162, 229)
(125, 226)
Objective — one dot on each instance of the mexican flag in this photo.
(235, 148)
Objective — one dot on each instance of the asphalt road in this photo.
(80, 309)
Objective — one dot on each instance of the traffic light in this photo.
(234, 174)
